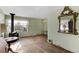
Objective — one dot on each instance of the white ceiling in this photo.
(29, 11)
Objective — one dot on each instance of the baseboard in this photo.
(62, 48)
(32, 36)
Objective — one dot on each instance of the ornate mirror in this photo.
(67, 21)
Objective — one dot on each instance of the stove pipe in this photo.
(12, 22)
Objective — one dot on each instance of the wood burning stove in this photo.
(13, 33)
(13, 36)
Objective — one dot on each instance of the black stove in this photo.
(13, 33)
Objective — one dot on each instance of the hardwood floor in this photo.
(36, 44)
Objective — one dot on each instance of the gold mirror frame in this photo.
(65, 13)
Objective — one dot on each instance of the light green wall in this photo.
(1, 17)
(2, 21)
(35, 26)
(67, 41)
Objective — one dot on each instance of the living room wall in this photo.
(68, 41)
(35, 26)
(2, 22)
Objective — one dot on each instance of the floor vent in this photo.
(50, 41)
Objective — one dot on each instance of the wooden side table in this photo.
(10, 40)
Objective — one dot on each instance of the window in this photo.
(19, 25)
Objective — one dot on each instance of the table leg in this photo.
(9, 49)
